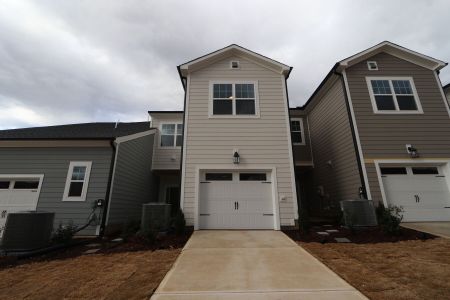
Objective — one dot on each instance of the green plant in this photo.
(389, 218)
(179, 223)
(64, 233)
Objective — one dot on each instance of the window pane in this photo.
(381, 87)
(179, 140)
(78, 173)
(26, 185)
(406, 103)
(179, 128)
(252, 176)
(245, 107)
(75, 189)
(245, 91)
(167, 140)
(222, 107)
(4, 185)
(296, 126)
(296, 137)
(402, 87)
(222, 90)
(219, 176)
(425, 170)
(168, 129)
(385, 102)
(393, 171)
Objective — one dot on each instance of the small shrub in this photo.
(147, 236)
(389, 218)
(64, 233)
(179, 223)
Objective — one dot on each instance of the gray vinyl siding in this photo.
(132, 185)
(331, 140)
(54, 164)
(302, 153)
(262, 142)
(165, 158)
(385, 136)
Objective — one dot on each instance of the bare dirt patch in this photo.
(409, 269)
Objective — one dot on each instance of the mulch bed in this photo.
(357, 236)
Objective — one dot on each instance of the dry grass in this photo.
(404, 270)
(127, 275)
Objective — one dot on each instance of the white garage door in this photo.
(18, 194)
(421, 191)
(236, 200)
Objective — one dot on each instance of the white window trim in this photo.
(232, 116)
(302, 131)
(88, 165)
(396, 111)
(372, 62)
(175, 135)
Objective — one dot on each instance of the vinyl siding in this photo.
(163, 158)
(132, 185)
(302, 153)
(262, 142)
(385, 136)
(54, 164)
(331, 140)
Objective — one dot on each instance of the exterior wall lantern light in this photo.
(236, 157)
(412, 151)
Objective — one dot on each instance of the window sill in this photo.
(398, 112)
(73, 200)
(170, 147)
(233, 116)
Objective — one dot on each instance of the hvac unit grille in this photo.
(27, 230)
(359, 213)
(156, 216)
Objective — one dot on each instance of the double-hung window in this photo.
(77, 181)
(234, 99)
(393, 95)
(297, 134)
(171, 135)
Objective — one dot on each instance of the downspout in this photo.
(108, 188)
(363, 192)
(184, 130)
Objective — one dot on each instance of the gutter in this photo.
(108, 188)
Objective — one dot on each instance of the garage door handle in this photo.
(267, 214)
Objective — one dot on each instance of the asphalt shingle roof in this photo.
(106, 130)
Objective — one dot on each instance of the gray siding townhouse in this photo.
(66, 169)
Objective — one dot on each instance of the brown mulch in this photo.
(407, 269)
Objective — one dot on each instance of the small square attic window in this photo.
(234, 64)
(372, 65)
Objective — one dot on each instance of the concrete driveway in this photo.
(250, 265)
(441, 229)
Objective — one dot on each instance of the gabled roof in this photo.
(237, 50)
(395, 50)
(109, 130)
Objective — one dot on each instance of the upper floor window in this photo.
(297, 133)
(171, 135)
(234, 99)
(393, 95)
(77, 181)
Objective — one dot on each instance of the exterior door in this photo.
(236, 200)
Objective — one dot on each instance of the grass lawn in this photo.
(412, 269)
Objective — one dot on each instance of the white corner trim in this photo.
(439, 83)
(302, 131)
(275, 199)
(291, 155)
(185, 134)
(130, 137)
(112, 184)
(87, 175)
(358, 141)
(377, 163)
(397, 111)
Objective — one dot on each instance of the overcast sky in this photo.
(86, 61)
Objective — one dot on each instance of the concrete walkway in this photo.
(441, 229)
(250, 265)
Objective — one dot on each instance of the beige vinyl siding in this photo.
(163, 156)
(385, 136)
(302, 153)
(262, 142)
(331, 139)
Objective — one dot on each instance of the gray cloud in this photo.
(82, 61)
